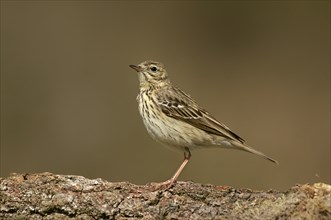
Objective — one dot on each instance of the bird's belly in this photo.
(172, 132)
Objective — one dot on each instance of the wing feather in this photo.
(182, 107)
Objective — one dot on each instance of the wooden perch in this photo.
(50, 196)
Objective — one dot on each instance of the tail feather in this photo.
(244, 147)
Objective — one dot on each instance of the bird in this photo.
(174, 119)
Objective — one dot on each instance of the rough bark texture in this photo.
(50, 196)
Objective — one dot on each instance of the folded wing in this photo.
(182, 107)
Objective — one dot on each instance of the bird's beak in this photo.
(135, 67)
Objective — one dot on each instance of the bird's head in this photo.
(151, 73)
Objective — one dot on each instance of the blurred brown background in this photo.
(68, 96)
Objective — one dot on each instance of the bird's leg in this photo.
(167, 184)
(187, 156)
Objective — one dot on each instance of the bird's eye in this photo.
(153, 68)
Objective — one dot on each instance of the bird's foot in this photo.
(162, 186)
(152, 187)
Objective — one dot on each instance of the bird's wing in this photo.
(181, 106)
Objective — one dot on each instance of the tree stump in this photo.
(50, 196)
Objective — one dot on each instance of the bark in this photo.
(50, 196)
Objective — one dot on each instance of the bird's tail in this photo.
(244, 147)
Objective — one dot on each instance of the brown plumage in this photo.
(173, 118)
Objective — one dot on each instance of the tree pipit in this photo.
(174, 119)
